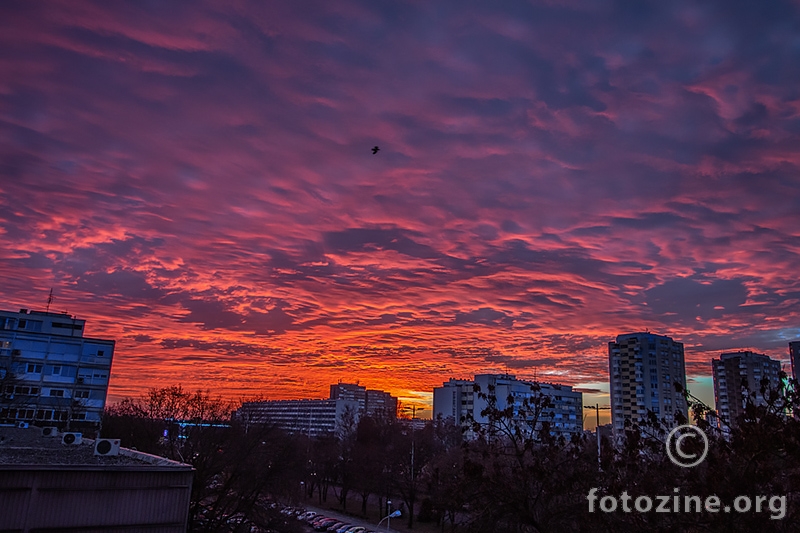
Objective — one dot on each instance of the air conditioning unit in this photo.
(22, 425)
(106, 447)
(72, 438)
(49, 432)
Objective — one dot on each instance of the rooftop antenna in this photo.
(49, 299)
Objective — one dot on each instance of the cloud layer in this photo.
(197, 182)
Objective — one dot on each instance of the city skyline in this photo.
(198, 183)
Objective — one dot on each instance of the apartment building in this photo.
(314, 418)
(319, 417)
(373, 403)
(457, 398)
(643, 369)
(738, 375)
(50, 374)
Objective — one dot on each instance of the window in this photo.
(34, 368)
(57, 392)
(30, 325)
(57, 370)
(61, 325)
(81, 394)
(100, 353)
(23, 390)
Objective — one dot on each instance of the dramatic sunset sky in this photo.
(195, 180)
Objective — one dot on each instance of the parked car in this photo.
(337, 525)
(324, 524)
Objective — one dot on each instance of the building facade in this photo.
(643, 370)
(347, 403)
(454, 399)
(314, 418)
(51, 374)
(457, 398)
(738, 375)
(373, 403)
(794, 355)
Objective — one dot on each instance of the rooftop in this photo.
(28, 447)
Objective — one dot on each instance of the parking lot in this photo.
(317, 519)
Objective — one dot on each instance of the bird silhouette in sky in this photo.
(375, 150)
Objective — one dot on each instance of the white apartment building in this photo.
(314, 418)
(457, 398)
(644, 368)
(50, 374)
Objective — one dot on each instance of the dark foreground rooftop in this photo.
(49, 485)
(29, 447)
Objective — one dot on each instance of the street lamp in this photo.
(389, 517)
(597, 408)
(413, 486)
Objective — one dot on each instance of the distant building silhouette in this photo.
(50, 374)
(374, 403)
(738, 373)
(319, 417)
(643, 369)
(457, 398)
(794, 355)
(309, 417)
